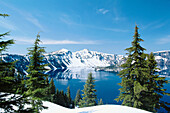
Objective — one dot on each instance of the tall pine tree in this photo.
(8, 83)
(77, 98)
(134, 70)
(69, 100)
(5, 80)
(36, 83)
(155, 85)
(137, 86)
(52, 87)
(88, 96)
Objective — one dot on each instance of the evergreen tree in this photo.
(100, 102)
(136, 80)
(134, 70)
(69, 100)
(47, 81)
(77, 98)
(8, 83)
(48, 97)
(52, 87)
(62, 99)
(56, 96)
(155, 83)
(89, 96)
(20, 82)
(36, 83)
(6, 79)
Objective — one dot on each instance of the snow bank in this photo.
(54, 108)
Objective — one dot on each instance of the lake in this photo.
(106, 83)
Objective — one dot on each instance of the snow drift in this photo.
(54, 108)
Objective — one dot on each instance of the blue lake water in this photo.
(106, 83)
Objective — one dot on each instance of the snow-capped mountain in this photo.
(65, 59)
(85, 58)
(163, 60)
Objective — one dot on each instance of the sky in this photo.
(98, 25)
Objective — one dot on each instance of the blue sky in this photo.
(98, 25)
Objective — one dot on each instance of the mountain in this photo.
(64, 59)
(163, 60)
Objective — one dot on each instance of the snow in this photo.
(54, 108)
(63, 50)
(60, 51)
(158, 57)
(85, 58)
(162, 51)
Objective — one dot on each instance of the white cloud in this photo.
(48, 42)
(102, 11)
(27, 40)
(23, 40)
(165, 40)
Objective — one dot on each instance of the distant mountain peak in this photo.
(162, 51)
(60, 51)
(63, 50)
(84, 51)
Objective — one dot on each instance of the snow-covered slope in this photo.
(86, 58)
(163, 60)
(54, 108)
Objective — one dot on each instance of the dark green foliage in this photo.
(60, 98)
(88, 96)
(50, 92)
(100, 102)
(36, 83)
(52, 87)
(56, 97)
(63, 99)
(4, 15)
(155, 85)
(77, 98)
(69, 100)
(13, 90)
(133, 74)
(20, 82)
(10, 82)
(48, 96)
(139, 82)
(47, 81)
